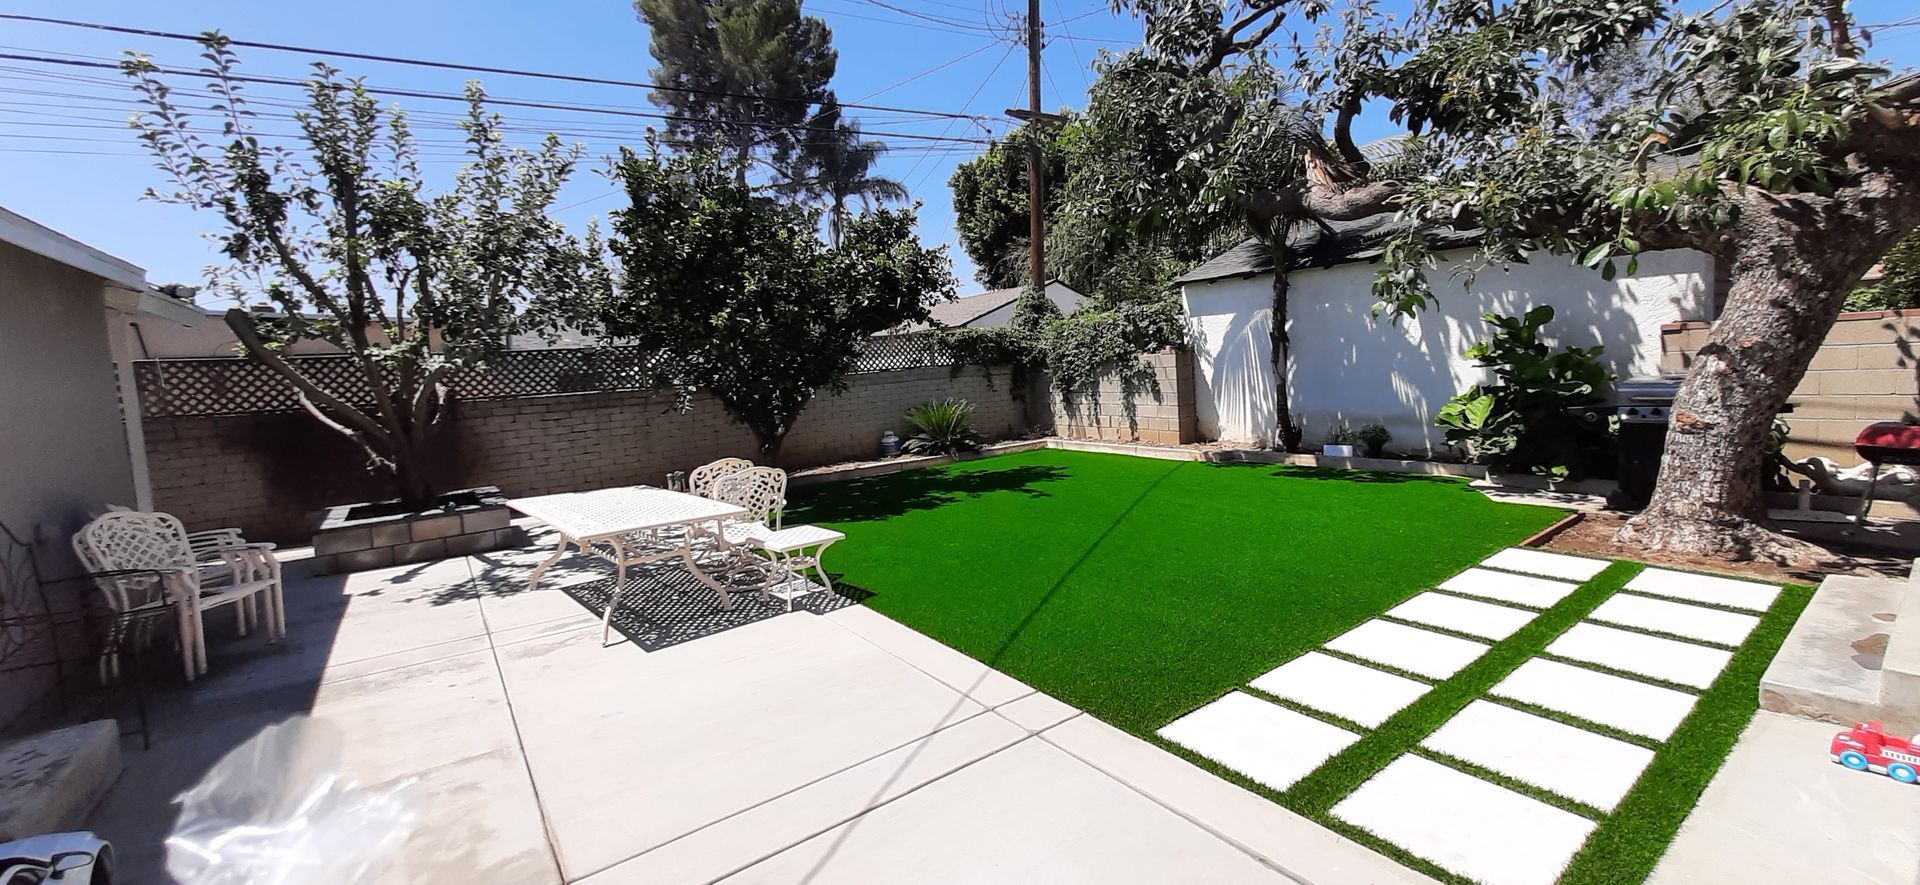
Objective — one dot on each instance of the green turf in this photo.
(1139, 589)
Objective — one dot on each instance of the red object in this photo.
(1868, 747)
(1889, 442)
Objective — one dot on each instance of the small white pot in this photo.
(1337, 451)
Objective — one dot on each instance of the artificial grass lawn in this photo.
(1138, 589)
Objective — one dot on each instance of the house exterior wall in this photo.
(271, 474)
(1867, 370)
(1164, 414)
(63, 455)
(1349, 368)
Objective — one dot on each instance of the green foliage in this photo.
(1520, 422)
(1372, 438)
(1899, 285)
(339, 232)
(1080, 348)
(990, 205)
(756, 67)
(942, 427)
(836, 167)
(739, 296)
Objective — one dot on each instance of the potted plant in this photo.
(1340, 443)
(1373, 439)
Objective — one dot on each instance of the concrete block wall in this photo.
(1163, 417)
(1868, 370)
(273, 474)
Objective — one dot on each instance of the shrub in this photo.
(1521, 422)
(1370, 438)
(945, 427)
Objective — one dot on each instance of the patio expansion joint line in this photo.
(519, 739)
(822, 778)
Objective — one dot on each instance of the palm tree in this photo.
(838, 168)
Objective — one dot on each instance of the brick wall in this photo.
(1164, 416)
(271, 474)
(1866, 371)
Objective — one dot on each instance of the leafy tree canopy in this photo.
(340, 233)
(1899, 285)
(747, 74)
(739, 295)
(990, 205)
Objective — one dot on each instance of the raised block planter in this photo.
(356, 537)
(50, 782)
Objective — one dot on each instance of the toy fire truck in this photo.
(1869, 748)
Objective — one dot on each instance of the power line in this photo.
(508, 102)
(456, 66)
(968, 104)
(949, 62)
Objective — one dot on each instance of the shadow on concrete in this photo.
(664, 606)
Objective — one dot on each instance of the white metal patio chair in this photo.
(701, 480)
(762, 492)
(217, 574)
(139, 601)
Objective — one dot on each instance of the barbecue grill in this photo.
(1888, 442)
(1643, 405)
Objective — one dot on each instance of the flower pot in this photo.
(1333, 451)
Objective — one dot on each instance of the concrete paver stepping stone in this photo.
(1269, 743)
(1483, 619)
(1573, 762)
(1479, 830)
(1343, 688)
(1673, 661)
(1417, 651)
(1550, 565)
(1629, 705)
(1677, 618)
(1518, 589)
(1730, 592)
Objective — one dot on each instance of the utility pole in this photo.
(1036, 157)
(1036, 161)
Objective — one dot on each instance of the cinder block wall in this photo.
(272, 474)
(1165, 416)
(1866, 371)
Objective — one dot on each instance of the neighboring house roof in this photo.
(126, 289)
(1315, 244)
(962, 311)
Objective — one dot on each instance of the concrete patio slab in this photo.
(1780, 812)
(978, 681)
(1547, 565)
(1633, 707)
(633, 750)
(1345, 689)
(1028, 814)
(1036, 712)
(1713, 590)
(1474, 618)
(1630, 652)
(1286, 841)
(1423, 652)
(1464, 824)
(1266, 742)
(733, 843)
(1518, 589)
(1577, 764)
(1677, 618)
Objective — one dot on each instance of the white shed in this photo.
(1349, 368)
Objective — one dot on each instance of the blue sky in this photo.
(67, 161)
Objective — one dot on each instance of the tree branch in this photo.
(243, 328)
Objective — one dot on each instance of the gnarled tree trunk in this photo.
(1793, 260)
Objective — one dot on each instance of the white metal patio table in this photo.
(634, 525)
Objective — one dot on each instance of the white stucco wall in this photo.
(1349, 368)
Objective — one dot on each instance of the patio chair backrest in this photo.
(122, 540)
(761, 491)
(701, 480)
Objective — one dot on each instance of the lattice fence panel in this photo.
(177, 388)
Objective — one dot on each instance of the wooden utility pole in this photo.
(1036, 160)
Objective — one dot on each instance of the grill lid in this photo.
(1647, 390)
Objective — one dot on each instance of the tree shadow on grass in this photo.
(881, 497)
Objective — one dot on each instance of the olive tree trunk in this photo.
(1792, 261)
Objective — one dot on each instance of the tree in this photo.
(342, 236)
(1766, 140)
(837, 168)
(738, 295)
(990, 206)
(745, 74)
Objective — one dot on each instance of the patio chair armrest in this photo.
(252, 547)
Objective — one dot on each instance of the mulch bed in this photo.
(1593, 536)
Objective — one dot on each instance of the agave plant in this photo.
(945, 427)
